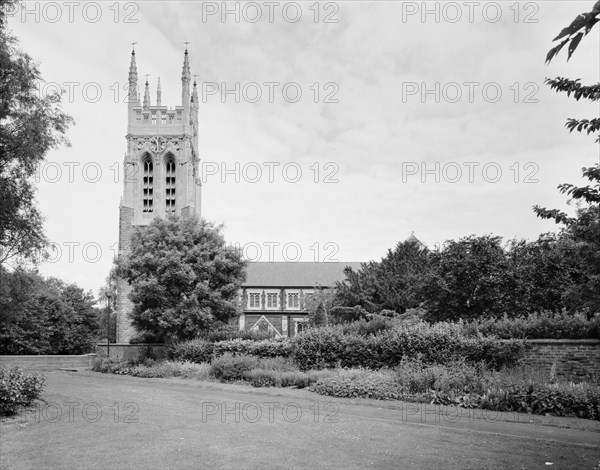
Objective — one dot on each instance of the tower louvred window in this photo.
(148, 183)
(170, 186)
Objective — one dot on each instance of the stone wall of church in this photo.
(125, 330)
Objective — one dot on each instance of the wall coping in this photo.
(564, 341)
(47, 355)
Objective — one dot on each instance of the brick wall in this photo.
(127, 351)
(47, 363)
(574, 358)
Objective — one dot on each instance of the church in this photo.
(162, 177)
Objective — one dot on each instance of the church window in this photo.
(254, 300)
(153, 118)
(293, 300)
(300, 326)
(163, 118)
(145, 118)
(170, 186)
(148, 185)
(272, 300)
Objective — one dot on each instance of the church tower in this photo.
(161, 174)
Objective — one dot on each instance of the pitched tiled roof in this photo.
(301, 274)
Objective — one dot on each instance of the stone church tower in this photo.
(161, 174)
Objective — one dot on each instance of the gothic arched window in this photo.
(148, 184)
(170, 185)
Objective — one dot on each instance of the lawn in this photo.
(93, 420)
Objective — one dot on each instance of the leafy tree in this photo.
(394, 283)
(184, 279)
(583, 230)
(44, 316)
(319, 318)
(320, 297)
(107, 317)
(578, 28)
(468, 280)
(30, 125)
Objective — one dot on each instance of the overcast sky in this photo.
(438, 124)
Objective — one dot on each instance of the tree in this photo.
(583, 233)
(394, 283)
(30, 125)
(107, 317)
(319, 318)
(44, 316)
(583, 230)
(327, 298)
(184, 279)
(468, 279)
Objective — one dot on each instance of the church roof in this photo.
(301, 274)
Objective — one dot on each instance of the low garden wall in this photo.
(574, 358)
(126, 351)
(48, 363)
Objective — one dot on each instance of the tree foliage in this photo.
(30, 125)
(574, 33)
(44, 316)
(184, 279)
(394, 283)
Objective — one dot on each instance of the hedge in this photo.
(441, 343)
(545, 325)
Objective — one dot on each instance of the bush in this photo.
(229, 367)
(439, 343)
(265, 348)
(545, 325)
(467, 386)
(228, 332)
(107, 365)
(359, 383)
(276, 378)
(340, 315)
(196, 350)
(18, 389)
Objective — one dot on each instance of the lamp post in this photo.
(108, 297)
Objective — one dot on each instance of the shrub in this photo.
(195, 350)
(438, 343)
(282, 364)
(228, 332)
(545, 325)
(229, 367)
(359, 383)
(339, 315)
(114, 366)
(276, 378)
(467, 386)
(18, 389)
(264, 348)
(263, 378)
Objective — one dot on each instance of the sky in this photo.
(328, 131)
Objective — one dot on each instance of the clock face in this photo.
(158, 144)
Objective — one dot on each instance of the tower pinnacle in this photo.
(185, 74)
(133, 79)
(158, 93)
(147, 95)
